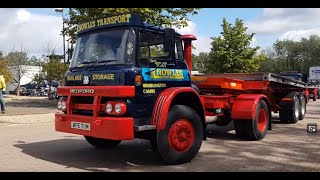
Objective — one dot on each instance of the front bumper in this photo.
(115, 128)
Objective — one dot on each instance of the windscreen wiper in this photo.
(101, 61)
(79, 65)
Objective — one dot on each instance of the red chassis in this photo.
(240, 93)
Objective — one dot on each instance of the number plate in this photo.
(80, 125)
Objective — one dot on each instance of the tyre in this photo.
(291, 115)
(318, 94)
(314, 97)
(303, 107)
(254, 129)
(180, 140)
(101, 143)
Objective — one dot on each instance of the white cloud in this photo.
(202, 44)
(298, 34)
(23, 16)
(20, 28)
(253, 42)
(190, 29)
(281, 20)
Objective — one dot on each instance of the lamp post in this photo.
(63, 36)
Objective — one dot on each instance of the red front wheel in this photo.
(182, 137)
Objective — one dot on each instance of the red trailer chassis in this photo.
(236, 96)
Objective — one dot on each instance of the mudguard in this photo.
(163, 102)
(244, 106)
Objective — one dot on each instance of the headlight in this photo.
(59, 105)
(117, 108)
(63, 105)
(109, 108)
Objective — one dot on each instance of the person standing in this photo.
(2, 89)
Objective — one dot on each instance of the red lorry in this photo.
(147, 91)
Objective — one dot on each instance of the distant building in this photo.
(31, 71)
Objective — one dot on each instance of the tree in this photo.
(18, 62)
(199, 61)
(231, 52)
(291, 55)
(53, 69)
(40, 77)
(156, 16)
(4, 70)
(270, 64)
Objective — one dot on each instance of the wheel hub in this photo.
(262, 120)
(303, 104)
(181, 135)
(297, 109)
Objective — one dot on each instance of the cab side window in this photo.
(151, 48)
(179, 49)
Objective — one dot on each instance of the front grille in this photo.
(82, 112)
(89, 113)
(83, 100)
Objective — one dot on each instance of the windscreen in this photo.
(114, 45)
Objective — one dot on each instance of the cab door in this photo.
(159, 69)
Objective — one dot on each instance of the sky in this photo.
(36, 30)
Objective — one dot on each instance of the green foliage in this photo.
(270, 63)
(39, 77)
(17, 58)
(18, 62)
(231, 52)
(198, 62)
(53, 70)
(4, 70)
(288, 55)
(155, 16)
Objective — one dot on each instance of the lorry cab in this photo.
(124, 51)
(128, 79)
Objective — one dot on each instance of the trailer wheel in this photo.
(181, 139)
(101, 143)
(256, 128)
(291, 115)
(303, 107)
